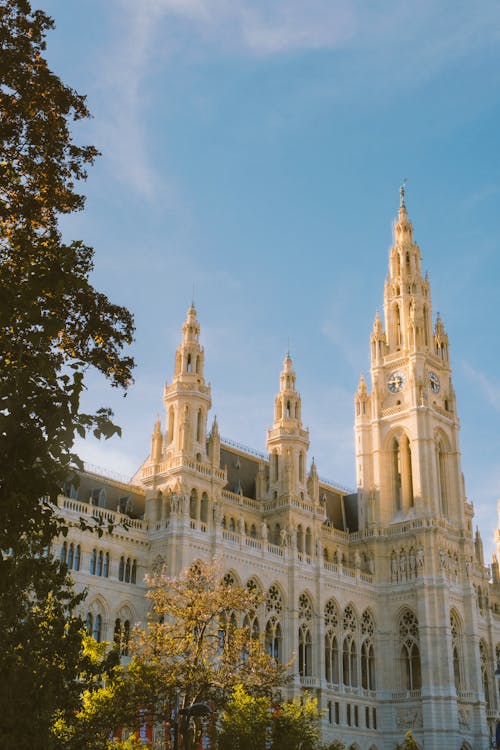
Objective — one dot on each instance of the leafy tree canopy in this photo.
(54, 325)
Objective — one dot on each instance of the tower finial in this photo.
(402, 194)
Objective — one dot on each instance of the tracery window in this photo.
(331, 642)
(409, 645)
(349, 647)
(305, 639)
(367, 651)
(273, 636)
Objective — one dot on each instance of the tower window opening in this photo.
(288, 410)
(189, 365)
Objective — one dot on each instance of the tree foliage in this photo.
(409, 743)
(44, 658)
(53, 324)
(296, 725)
(192, 650)
(195, 642)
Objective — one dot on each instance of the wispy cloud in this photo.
(489, 389)
(397, 42)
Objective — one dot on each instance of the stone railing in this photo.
(100, 515)
(184, 462)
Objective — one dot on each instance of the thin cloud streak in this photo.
(489, 389)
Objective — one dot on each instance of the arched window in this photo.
(305, 640)
(443, 479)
(199, 426)
(300, 538)
(133, 573)
(410, 671)
(396, 473)
(273, 636)
(367, 651)
(273, 639)
(204, 508)
(64, 552)
(189, 364)
(170, 436)
(89, 623)
(305, 651)
(93, 558)
(349, 662)
(193, 504)
(121, 569)
(127, 570)
(349, 648)
(251, 622)
(105, 570)
(78, 555)
(71, 555)
(99, 563)
(288, 410)
(301, 467)
(308, 541)
(331, 642)
(274, 466)
(232, 525)
(97, 629)
(456, 646)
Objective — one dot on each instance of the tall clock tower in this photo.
(407, 447)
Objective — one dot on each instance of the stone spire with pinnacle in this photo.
(287, 441)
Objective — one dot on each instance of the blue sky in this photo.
(254, 149)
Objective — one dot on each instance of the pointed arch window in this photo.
(133, 573)
(443, 478)
(331, 642)
(71, 555)
(305, 651)
(121, 569)
(127, 570)
(367, 651)
(456, 645)
(97, 628)
(410, 669)
(170, 424)
(301, 467)
(78, 554)
(64, 552)
(105, 570)
(199, 426)
(99, 563)
(93, 559)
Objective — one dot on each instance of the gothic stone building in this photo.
(382, 596)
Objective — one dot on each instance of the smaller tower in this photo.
(187, 399)
(287, 441)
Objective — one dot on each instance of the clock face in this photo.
(396, 382)
(434, 382)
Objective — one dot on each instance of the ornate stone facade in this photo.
(381, 596)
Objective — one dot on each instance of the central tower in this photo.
(407, 448)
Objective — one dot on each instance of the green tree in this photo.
(54, 325)
(195, 643)
(192, 650)
(245, 721)
(296, 725)
(409, 743)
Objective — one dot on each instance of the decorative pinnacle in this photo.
(402, 194)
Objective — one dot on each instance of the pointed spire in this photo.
(402, 194)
